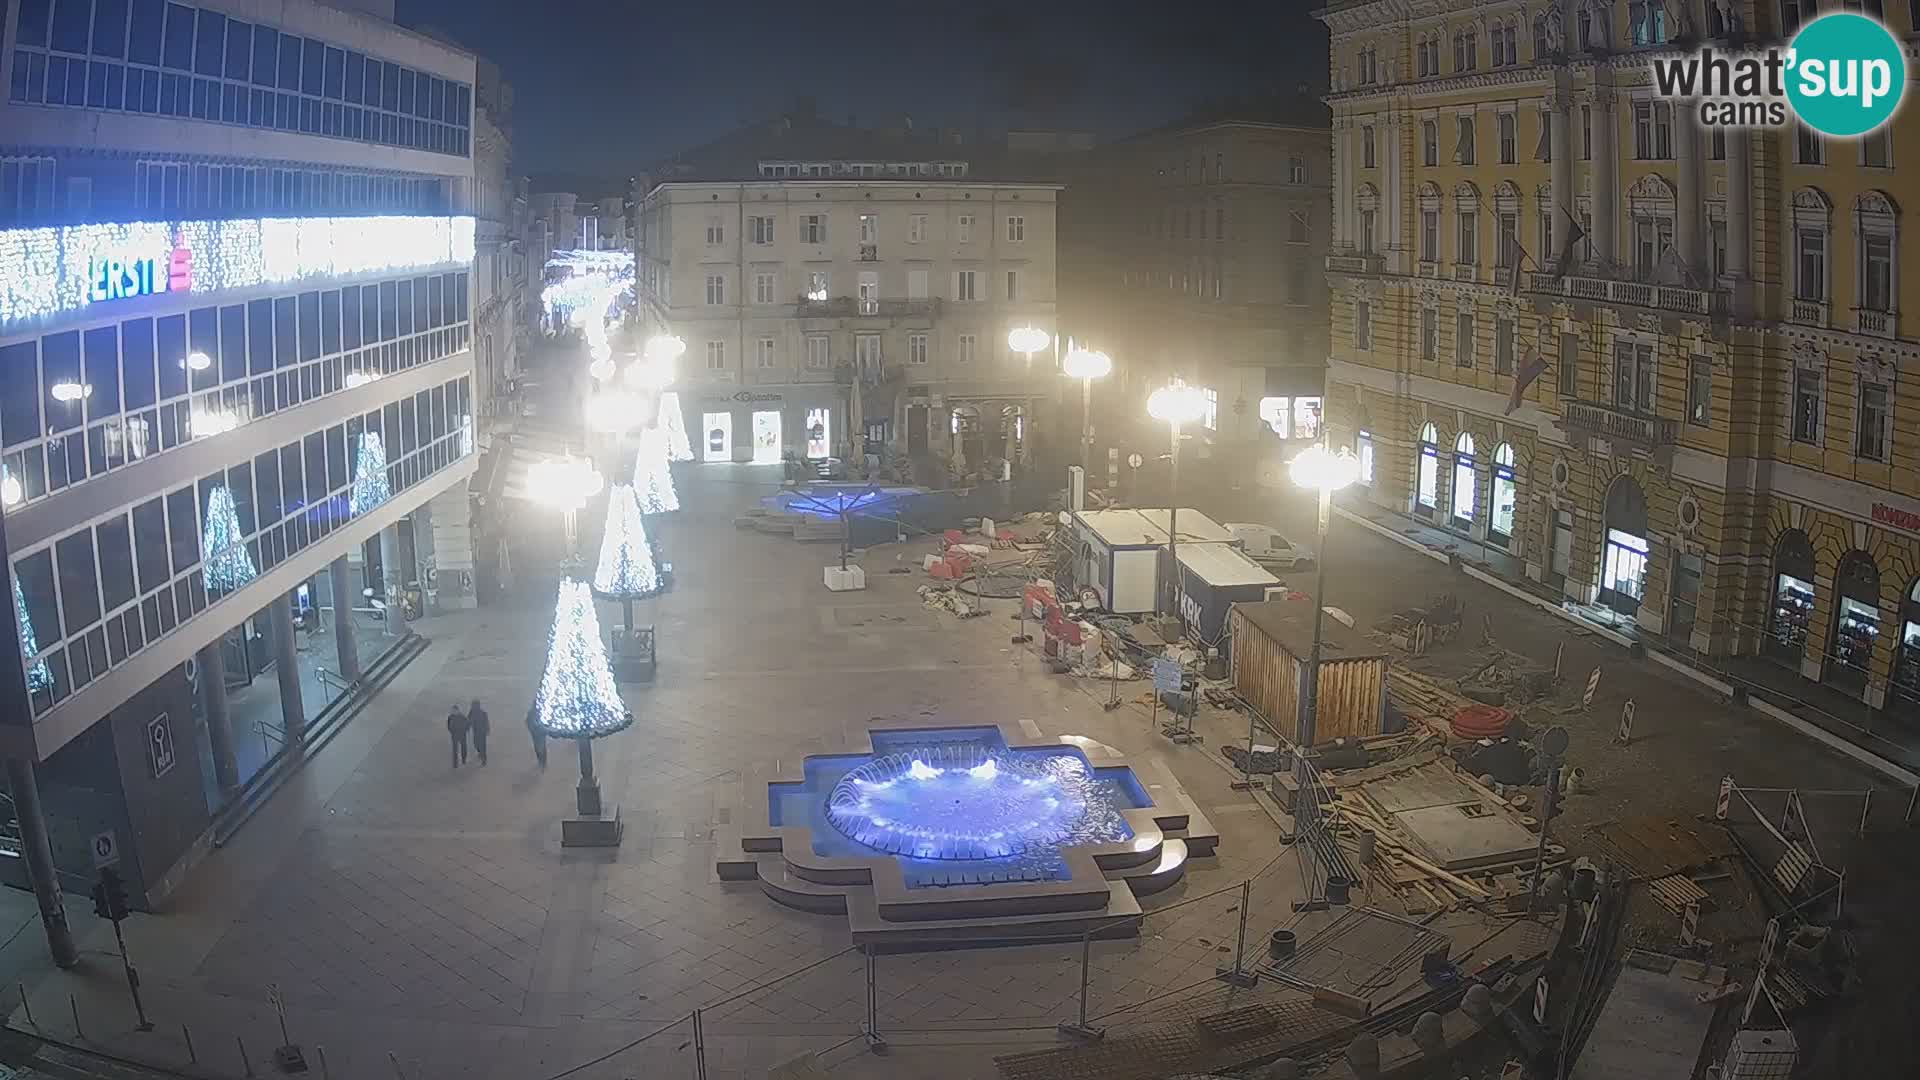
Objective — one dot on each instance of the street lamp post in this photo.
(1319, 469)
(1087, 365)
(1176, 405)
(1026, 340)
(566, 485)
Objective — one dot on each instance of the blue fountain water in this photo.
(956, 805)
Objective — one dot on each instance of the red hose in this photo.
(1481, 721)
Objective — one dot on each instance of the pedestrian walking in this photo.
(482, 726)
(539, 734)
(457, 731)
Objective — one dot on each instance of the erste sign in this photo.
(117, 279)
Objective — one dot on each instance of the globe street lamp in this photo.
(1086, 365)
(566, 485)
(1318, 469)
(1176, 405)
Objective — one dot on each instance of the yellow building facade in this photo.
(1723, 438)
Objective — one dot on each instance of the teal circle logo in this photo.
(1845, 74)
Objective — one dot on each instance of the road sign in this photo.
(160, 745)
(1726, 797)
(1690, 925)
(1540, 1000)
(105, 848)
(1166, 676)
(1625, 734)
(1593, 687)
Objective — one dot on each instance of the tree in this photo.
(38, 677)
(370, 487)
(577, 698)
(626, 571)
(222, 550)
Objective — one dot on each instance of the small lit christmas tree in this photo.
(224, 553)
(577, 698)
(626, 571)
(653, 471)
(370, 487)
(38, 677)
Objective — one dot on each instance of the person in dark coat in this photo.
(539, 734)
(457, 731)
(482, 726)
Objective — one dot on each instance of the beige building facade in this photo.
(1196, 252)
(1723, 444)
(831, 295)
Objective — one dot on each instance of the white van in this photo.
(1266, 546)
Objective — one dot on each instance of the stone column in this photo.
(41, 872)
(1606, 175)
(1392, 196)
(286, 666)
(346, 649)
(212, 663)
(1740, 216)
(393, 577)
(1689, 217)
(1560, 171)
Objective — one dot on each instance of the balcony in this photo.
(1355, 263)
(1876, 323)
(1619, 425)
(1428, 268)
(869, 252)
(1677, 299)
(847, 307)
(1807, 312)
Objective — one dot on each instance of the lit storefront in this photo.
(762, 426)
(1504, 497)
(1427, 493)
(1791, 605)
(1856, 626)
(1906, 666)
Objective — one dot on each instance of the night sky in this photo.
(606, 87)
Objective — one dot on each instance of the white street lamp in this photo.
(1176, 405)
(1325, 471)
(566, 485)
(1086, 365)
(1028, 340)
(658, 358)
(613, 411)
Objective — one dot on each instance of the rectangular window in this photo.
(760, 230)
(1367, 140)
(1016, 230)
(967, 346)
(1586, 131)
(1543, 150)
(1875, 150)
(1463, 342)
(1429, 143)
(716, 289)
(1569, 366)
(1806, 407)
(1463, 151)
(1810, 283)
(964, 285)
(963, 229)
(1870, 430)
(1509, 138)
(763, 354)
(1467, 248)
(819, 352)
(1808, 150)
(1717, 241)
(1430, 334)
(916, 348)
(1699, 390)
(1633, 377)
(1430, 236)
(716, 233)
(1362, 325)
(1876, 278)
(716, 356)
(763, 288)
(916, 228)
(1509, 252)
(813, 229)
(1503, 346)
(1211, 416)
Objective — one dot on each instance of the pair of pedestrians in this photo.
(473, 723)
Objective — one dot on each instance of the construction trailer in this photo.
(1117, 553)
(1272, 644)
(1212, 578)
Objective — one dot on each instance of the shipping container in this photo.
(1272, 642)
(1213, 578)
(1117, 553)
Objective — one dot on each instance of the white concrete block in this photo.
(849, 580)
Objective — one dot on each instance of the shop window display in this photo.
(1906, 668)
(1504, 497)
(1429, 488)
(1793, 596)
(1857, 621)
(1465, 486)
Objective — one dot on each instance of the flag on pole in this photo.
(1564, 261)
(1530, 369)
(1517, 258)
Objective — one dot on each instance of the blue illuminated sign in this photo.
(117, 279)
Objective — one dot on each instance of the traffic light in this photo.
(110, 895)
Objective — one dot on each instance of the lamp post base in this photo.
(598, 830)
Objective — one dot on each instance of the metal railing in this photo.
(846, 307)
(1807, 312)
(1614, 423)
(1679, 299)
(1876, 321)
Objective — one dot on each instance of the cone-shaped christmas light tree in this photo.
(370, 487)
(38, 677)
(228, 566)
(653, 471)
(626, 571)
(577, 697)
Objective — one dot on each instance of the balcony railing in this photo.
(1876, 322)
(1612, 422)
(1807, 312)
(1428, 269)
(1355, 263)
(1466, 271)
(1679, 299)
(847, 307)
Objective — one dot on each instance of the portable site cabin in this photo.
(1117, 552)
(1272, 642)
(1213, 578)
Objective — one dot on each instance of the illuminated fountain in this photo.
(955, 834)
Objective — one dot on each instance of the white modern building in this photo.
(831, 282)
(235, 371)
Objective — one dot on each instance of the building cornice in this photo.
(1518, 75)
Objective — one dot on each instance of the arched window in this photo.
(1427, 496)
(1793, 594)
(1876, 220)
(1812, 240)
(1465, 489)
(1856, 624)
(1650, 205)
(1367, 206)
(1503, 496)
(1623, 556)
(1906, 668)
